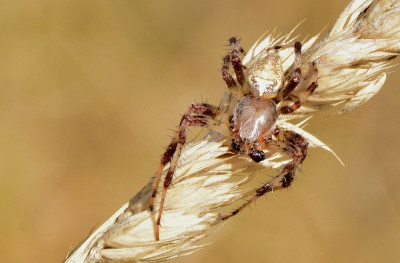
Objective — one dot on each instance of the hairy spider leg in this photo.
(303, 97)
(236, 90)
(237, 64)
(198, 114)
(291, 144)
(295, 78)
(226, 76)
(236, 61)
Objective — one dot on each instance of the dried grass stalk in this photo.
(353, 58)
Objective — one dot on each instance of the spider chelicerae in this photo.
(263, 92)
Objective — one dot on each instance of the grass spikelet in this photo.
(353, 58)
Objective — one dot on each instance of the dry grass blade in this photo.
(211, 180)
(354, 56)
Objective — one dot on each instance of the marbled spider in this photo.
(262, 92)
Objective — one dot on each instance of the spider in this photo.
(262, 92)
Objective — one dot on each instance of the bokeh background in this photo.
(89, 93)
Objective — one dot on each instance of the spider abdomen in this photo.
(254, 116)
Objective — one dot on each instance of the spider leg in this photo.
(295, 147)
(226, 76)
(237, 91)
(237, 64)
(198, 114)
(236, 61)
(303, 97)
(295, 79)
(229, 80)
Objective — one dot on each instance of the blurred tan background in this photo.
(89, 93)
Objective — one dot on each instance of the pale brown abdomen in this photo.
(254, 116)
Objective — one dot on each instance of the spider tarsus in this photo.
(240, 208)
(233, 41)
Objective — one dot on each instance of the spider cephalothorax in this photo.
(262, 93)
